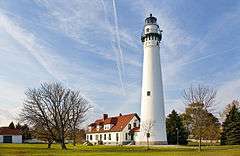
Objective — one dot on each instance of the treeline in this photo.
(199, 122)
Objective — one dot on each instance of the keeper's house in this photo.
(8, 135)
(120, 129)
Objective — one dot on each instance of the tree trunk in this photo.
(49, 144)
(74, 141)
(63, 142)
(74, 138)
(200, 143)
(147, 143)
(63, 145)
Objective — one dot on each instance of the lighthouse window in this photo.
(148, 93)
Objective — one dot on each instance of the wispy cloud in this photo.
(119, 51)
(31, 43)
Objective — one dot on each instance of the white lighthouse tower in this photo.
(152, 101)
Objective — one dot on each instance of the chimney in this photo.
(120, 114)
(105, 116)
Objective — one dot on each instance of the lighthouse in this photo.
(153, 125)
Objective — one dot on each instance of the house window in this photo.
(90, 137)
(148, 93)
(109, 137)
(129, 126)
(147, 30)
(116, 136)
(87, 137)
(96, 137)
(100, 137)
(105, 136)
(134, 124)
(126, 136)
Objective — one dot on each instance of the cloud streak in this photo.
(30, 42)
(119, 53)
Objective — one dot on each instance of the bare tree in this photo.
(78, 113)
(200, 94)
(147, 130)
(200, 101)
(54, 107)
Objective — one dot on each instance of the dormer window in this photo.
(107, 126)
(98, 127)
(89, 128)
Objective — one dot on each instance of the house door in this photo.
(7, 139)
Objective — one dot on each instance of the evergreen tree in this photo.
(233, 135)
(25, 131)
(176, 133)
(11, 125)
(18, 126)
(231, 127)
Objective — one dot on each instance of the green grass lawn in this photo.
(40, 149)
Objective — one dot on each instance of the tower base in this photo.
(151, 143)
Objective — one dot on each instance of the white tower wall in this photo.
(152, 101)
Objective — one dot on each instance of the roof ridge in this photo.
(101, 119)
(123, 115)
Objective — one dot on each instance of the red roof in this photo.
(9, 131)
(118, 122)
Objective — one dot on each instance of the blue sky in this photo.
(95, 47)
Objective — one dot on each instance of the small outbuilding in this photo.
(8, 135)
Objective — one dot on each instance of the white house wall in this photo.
(1, 139)
(107, 141)
(17, 139)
